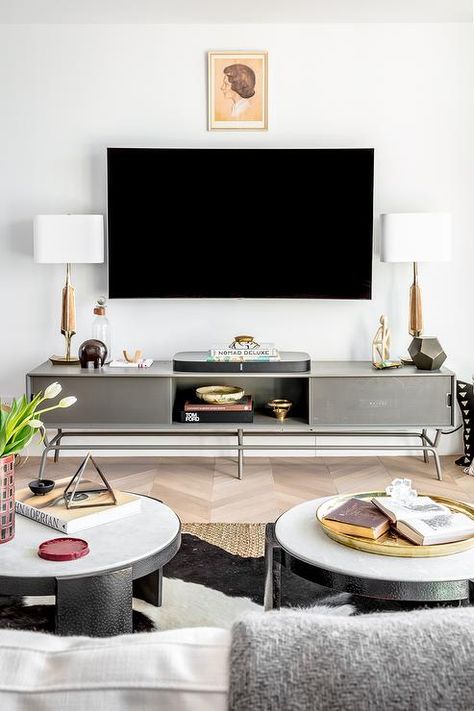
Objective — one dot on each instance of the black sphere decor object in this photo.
(40, 487)
(92, 351)
(427, 353)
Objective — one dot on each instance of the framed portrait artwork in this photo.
(238, 90)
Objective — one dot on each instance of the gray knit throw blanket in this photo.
(402, 661)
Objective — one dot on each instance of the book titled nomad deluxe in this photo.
(357, 517)
(51, 510)
(265, 349)
(425, 522)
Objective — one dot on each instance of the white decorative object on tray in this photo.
(401, 490)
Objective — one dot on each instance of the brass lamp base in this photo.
(416, 311)
(64, 360)
(68, 323)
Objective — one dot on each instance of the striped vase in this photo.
(7, 498)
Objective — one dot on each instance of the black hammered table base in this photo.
(102, 605)
(389, 590)
(98, 605)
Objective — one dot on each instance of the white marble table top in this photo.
(299, 533)
(112, 545)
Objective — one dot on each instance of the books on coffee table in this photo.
(422, 521)
(426, 522)
(50, 509)
(358, 517)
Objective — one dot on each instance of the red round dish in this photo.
(63, 549)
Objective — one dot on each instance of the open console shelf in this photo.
(261, 389)
(332, 399)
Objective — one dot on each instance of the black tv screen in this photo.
(240, 223)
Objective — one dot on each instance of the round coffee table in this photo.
(94, 593)
(298, 542)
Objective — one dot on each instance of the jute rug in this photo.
(243, 539)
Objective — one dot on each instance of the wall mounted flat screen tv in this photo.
(240, 223)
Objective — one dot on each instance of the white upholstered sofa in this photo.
(293, 660)
(175, 670)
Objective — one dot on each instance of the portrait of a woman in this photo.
(237, 90)
(239, 86)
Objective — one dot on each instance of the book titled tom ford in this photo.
(216, 416)
(51, 510)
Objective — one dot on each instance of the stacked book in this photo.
(266, 352)
(195, 410)
(96, 506)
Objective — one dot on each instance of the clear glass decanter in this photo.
(101, 326)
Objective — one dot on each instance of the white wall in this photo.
(69, 91)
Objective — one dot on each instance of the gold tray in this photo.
(392, 543)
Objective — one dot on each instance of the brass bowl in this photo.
(220, 394)
(244, 339)
(280, 408)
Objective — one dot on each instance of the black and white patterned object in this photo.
(465, 397)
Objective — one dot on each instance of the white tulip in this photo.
(35, 424)
(67, 401)
(52, 391)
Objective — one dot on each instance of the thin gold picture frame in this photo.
(236, 125)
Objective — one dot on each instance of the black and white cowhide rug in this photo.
(204, 585)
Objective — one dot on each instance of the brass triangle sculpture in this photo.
(76, 480)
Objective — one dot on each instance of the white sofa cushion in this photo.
(179, 670)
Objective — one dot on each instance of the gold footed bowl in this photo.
(392, 543)
(280, 408)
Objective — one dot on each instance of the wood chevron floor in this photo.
(202, 489)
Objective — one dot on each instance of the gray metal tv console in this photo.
(332, 399)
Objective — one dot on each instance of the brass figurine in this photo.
(381, 342)
(381, 347)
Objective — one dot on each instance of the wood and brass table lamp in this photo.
(68, 239)
(416, 237)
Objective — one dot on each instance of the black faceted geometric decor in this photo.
(427, 353)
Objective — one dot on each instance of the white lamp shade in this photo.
(416, 237)
(74, 239)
